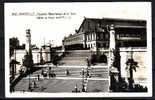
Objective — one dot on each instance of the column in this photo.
(111, 46)
(113, 71)
(92, 36)
(28, 41)
(87, 37)
(84, 40)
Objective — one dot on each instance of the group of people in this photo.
(33, 85)
(84, 88)
(48, 73)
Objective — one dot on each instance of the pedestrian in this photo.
(34, 84)
(82, 71)
(83, 88)
(23, 90)
(87, 73)
(30, 87)
(88, 61)
(42, 71)
(42, 88)
(67, 72)
(49, 74)
(38, 77)
(75, 89)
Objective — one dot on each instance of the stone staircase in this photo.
(75, 58)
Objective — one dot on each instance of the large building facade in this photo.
(94, 34)
(130, 38)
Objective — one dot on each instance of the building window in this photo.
(87, 37)
(101, 44)
(98, 44)
(101, 36)
(92, 36)
(106, 36)
(98, 37)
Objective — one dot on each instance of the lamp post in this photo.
(29, 79)
(28, 62)
(83, 80)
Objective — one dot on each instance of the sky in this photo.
(61, 19)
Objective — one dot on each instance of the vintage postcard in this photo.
(80, 49)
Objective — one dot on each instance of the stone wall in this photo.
(139, 55)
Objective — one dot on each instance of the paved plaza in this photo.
(98, 82)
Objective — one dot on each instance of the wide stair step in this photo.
(75, 58)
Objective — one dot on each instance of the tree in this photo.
(132, 64)
(55, 60)
(14, 43)
(28, 61)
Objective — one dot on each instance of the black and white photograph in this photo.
(78, 49)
